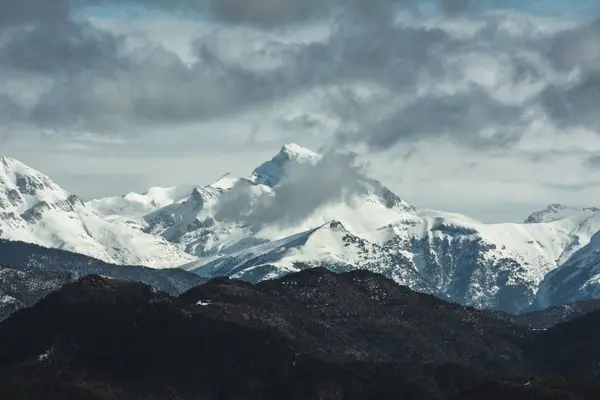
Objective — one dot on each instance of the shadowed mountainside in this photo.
(28, 272)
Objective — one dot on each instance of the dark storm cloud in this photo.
(41, 36)
(106, 88)
(19, 12)
(395, 58)
(66, 47)
(269, 12)
(577, 48)
(12, 119)
(101, 87)
(455, 6)
(154, 86)
(11, 116)
(272, 13)
(8, 106)
(97, 85)
(473, 119)
(575, 103)
(386, 53)
(592, 161)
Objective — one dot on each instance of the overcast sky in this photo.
(477, 107)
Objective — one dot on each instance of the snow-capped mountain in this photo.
(486, 265)
(214, 230)
(34, 209)
(197, 224)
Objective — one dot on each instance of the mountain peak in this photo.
(22, 187)
(270, 173)
(294, 151)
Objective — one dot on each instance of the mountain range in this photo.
(285, 217)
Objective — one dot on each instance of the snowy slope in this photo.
(556, 212)
(485, 265)
(577, 279)
(488, 265)
(34, 209)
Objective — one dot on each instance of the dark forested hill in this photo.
(310, 335)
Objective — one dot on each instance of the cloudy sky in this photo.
(487, 107)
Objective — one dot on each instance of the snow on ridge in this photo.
(295, 151)
(135, 205)
(227, 181)
(557, 211)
